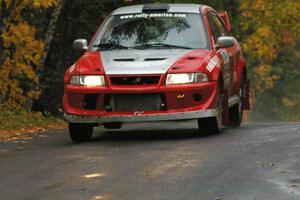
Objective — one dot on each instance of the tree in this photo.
(20, 53)
(270, 32)
(269, 28)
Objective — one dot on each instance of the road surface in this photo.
(156, 161)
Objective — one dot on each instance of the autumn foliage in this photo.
(269, 27)
(21, 53)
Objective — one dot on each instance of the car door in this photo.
(227, 55)
(234, 53)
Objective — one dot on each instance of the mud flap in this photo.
(225, 114)
(246, 100)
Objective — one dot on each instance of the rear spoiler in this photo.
(224, 16)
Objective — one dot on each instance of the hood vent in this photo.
(124, 60)
(156, 7)
(191, 58)
(154, 59)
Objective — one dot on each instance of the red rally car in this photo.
(157, 62)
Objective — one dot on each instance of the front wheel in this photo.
(213, 125)
(81, 132)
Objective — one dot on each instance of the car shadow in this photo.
(163, 134)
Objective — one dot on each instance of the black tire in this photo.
(213, 125)
(236, 112)
(112, 125)
(81, 132)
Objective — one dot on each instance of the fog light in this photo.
(197, 97)
(90, 101)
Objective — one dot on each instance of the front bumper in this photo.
(140, 117)
(179, 100)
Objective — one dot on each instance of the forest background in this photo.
(35, 50)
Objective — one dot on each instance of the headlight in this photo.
(88, 80)
(186, 78)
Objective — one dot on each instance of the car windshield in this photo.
(152, 30)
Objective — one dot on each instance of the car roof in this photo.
(173, 7)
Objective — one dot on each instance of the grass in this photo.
(18, 122)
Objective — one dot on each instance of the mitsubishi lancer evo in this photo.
(157, 62)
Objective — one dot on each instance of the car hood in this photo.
(154, 61)
(140, 61)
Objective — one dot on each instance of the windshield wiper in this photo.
(107, 46)
(161, 45)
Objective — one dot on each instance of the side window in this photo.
(220, 25)
(214, 29)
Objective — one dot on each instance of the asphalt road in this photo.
(157, 161)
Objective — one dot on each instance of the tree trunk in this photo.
(51, 31)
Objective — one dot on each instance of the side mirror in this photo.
(225, 42)
(80, 44)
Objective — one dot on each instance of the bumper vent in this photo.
(134, 102)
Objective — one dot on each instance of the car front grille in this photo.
(135, 80)
(134, 102)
